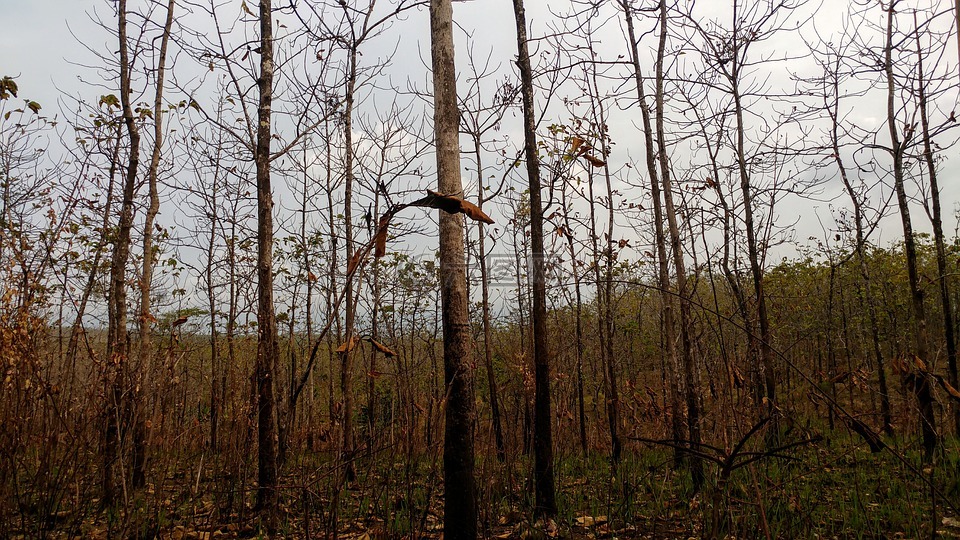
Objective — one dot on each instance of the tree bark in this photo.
(146, 278)
(663, 269)
(938, 237)
(545, 504)
(897, 149)
(268, 348)
(686, 348)
(117, 350)
(460, 509)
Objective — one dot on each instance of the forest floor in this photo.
(834, 488)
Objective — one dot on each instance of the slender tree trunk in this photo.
(346, 382)
(578, 314)
(146, 280)
(460, 509)
(897, 147)
(768, 376)
(938, 237)
(663, 269)
(690, 379)
(117, 349)
(77, 328)
(375, 334)
(866, 292)
(485, 313)
(546, 504)
(268, 348)
(215, 403)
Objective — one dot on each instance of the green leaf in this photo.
(110, 100)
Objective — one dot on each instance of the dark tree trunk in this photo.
(268, 348)
(928, 425)
(545, 504)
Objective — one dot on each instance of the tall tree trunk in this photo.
(546, 504)
(117, 350)
(215, 403)
(77, 328)
(346, 382)
(865, 292)
(578, 314)
(663, 268)
(268, 348)
(460, 509)
(690, 378)
(937, 222)
(768, 376)
(485, 313)
(897, 148)
(146, 279)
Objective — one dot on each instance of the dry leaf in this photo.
(954, 393)
(380, 241)
(349, 344)
(179, 322)
(595, 161)
(474, 212)
(575, 143)
(452, 205)
(381, 347)
(920, 364)
(354, 262)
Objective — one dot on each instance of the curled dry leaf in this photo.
(575, 143)
(474, 212)
(354, 262)
(349, 344)
(594, 160)
(381, 347)
(452, 205)
(380, 241)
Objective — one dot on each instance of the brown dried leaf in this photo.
(954, 393)
(575, 143)
(349, 344)
(452, 205)
(474, 212)
(919, 364)
(381, 347)
(594, 160)
(179, 322)
(354, 262)
(380, 241)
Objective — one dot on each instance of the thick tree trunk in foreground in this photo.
(460, 508)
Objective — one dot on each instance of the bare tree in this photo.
(546, 504)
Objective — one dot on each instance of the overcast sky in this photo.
(41, 45)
